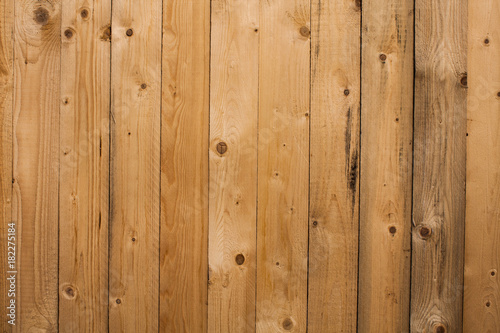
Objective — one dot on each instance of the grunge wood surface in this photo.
(249, 166)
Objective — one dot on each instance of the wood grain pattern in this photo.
(334, 201)
(6, 111)
(184, 166)
(84, 168)
(283, 166)
(135, 165)
(233, 195)
(482, 237)
(36, 161)
(386, 166)
(439, 165)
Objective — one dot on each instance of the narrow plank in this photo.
(439, 165)
(84, 169)
(335, 131)
(184, 166)
(36, 161)
(233, 165)
(386, 166)
(283, 165)
(135, 165)
(6, 94)
(482, 236)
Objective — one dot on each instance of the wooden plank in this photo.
(283, 165)
(84, 169)
(233, 165)
(36, 161)
(439, 165)
(482, 237)
(7, 237)
(386, 166)
(135, 165)
(334, 201)
(184, 166)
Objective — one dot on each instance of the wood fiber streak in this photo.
(84, 168)
(283, 166)
(482, 237)
(36, 161)
(439, 165)
(233, 173)
(135, 165)
(386, 166)
(334, 166)
(184, 166)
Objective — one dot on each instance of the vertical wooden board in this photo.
(184, 166)
(439, 165)
(84, 168)
(135, 165)
(482, 237)
(7, 237)
(386, 166)
(283, 166)
(36, 161)
(334, 202)
(233, 165)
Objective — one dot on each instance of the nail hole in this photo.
(118, 301)
(486, 41)
(488, 304)
(130, 32)
(133, 239)
(498, 94)
(144, 86)
(493, 273)
(392, 229)
(277, 263)
(346, 92)
(383, 57)
(397, 119)
(315, 223)
(240, 259)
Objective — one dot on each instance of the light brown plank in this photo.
(184, 166)
(283, 165)
(7, 237)
(84, 168)
(386, 166)
(135, 165)
(233, 195)
(439, 165)
(334, 205)
(482, 237)
(36, 161)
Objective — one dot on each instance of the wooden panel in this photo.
(283, 166)
(439, 165)
(7, 237)
(135, 165)
(233, 165)
(482, 242)
(386, 166)
(84, 169)
(36, 161)
(334, 202)
(184, 166)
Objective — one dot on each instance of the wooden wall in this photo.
(250, 165)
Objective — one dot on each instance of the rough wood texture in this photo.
(184, 166)
(334, 201)
(439, 165)
(283, 166)
(6, 95)
(36, 161)
(233, 171)
(482, 242)
(386, 166)
(135, 165)
(84, 169)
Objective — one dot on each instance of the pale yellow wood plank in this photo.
(386, 166)
(184, 166)
(439, 165)
(482, 237)
(233, 165)
(283, 165)
(36, 161)
(334, 212)
(7, 237)
(84, 168)
(135, 165)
